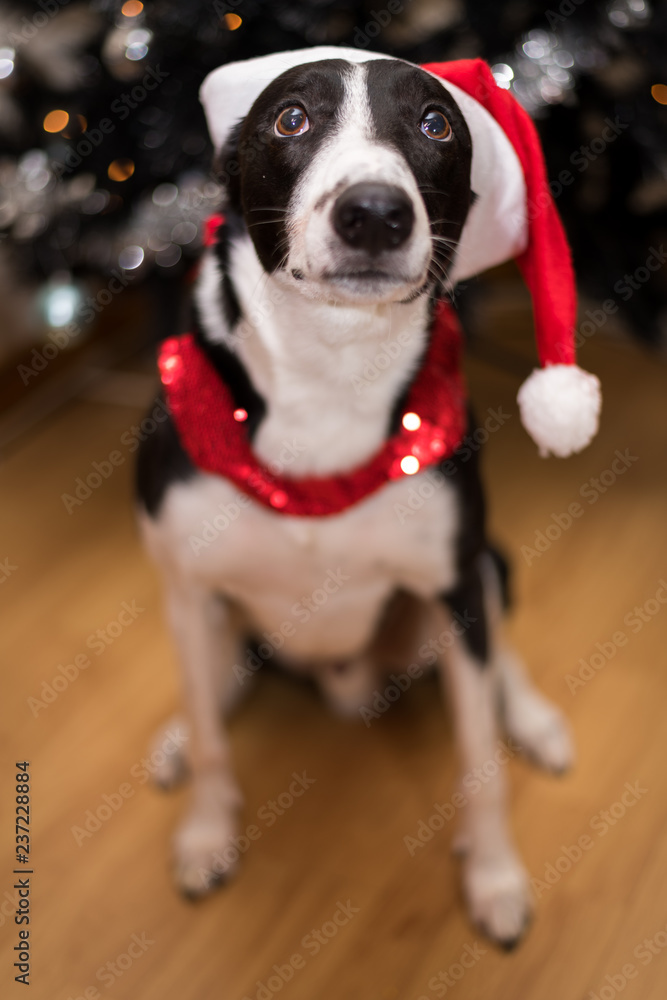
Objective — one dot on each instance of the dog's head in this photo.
(352, 175)
(353, 178)
(363, 179)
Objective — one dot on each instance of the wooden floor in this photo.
(339, 848)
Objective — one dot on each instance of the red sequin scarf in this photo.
(212, 431)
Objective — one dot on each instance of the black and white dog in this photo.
(348, 190)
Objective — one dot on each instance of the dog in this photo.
(347, 193)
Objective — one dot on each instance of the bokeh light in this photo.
(410, 465)
(56, 121)
(120, 170)
(411, 421)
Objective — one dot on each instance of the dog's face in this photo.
(353, 179)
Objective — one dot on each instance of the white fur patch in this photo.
(352, 156)
(329, 373)
(208, 296)
(327, 577)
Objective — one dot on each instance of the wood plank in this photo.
(344, 838)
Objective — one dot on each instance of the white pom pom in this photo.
(560, 408)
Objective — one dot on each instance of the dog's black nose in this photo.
(373, 217)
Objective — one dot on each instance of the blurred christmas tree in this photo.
(105, 160)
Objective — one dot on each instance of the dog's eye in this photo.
(292, 121)
(435, 126)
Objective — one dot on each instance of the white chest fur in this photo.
(329, 373)
(325, 578)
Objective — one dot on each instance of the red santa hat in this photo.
(513, 216)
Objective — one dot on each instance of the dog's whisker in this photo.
(269, 208)
(264, 222)
(437, 269)
(444, 239)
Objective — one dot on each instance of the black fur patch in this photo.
(466, 599)
(504, 575)
(261, 168)
(226, 362)
(161, 461)
(466, 602)
(232, 227)
(400, 95)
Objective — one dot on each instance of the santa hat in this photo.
(513, 216)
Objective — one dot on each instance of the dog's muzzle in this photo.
(373, 217)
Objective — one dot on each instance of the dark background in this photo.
(105, 159)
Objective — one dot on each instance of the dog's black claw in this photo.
(190, 896)
(178, 776)
(555, 772)
(511, 943)
(164, 786)
(507, 944)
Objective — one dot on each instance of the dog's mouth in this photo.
(366, 280)
(356, 284)
(365, 275)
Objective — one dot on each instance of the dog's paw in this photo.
(542, 731)
(205, 855)
(166, 758)
(498, 895)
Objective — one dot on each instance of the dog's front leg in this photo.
(495, 881)
(207, 644)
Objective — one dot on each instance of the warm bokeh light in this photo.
(659, 93)
(233, 21)
(410, 465)
(56, 121)
(411, 421)
(120, 170)
(131, 8)
(77, 125)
